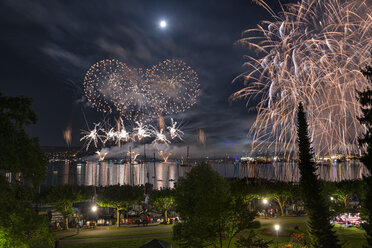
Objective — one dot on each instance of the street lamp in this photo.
(331, 198)
(277, 227)
(94, 208)
(265, 201)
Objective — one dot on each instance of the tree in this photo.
(119, 197)
(16, 146)
(20, 226)
(209, 211)
(281, 193)
(163, 199)
(62, 197)
(365, 99)
(20, 155)
(317, 208)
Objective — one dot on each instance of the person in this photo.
(77, 228)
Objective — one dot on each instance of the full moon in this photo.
(163, 24)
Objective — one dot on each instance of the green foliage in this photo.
(62, 197)
(20, 226)
(317, 208)
(119, 197)
(343, 192)
(16, 146)
(163, 200)
(280, 192)
(251, 240)
(209, 211)
(365, 99)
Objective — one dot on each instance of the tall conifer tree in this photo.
(365, 99)
(317, 209)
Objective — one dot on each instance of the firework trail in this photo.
(201, 137)
(174, 130)
(122, 134)
(67, 135)
(92, 135)
(310, 53)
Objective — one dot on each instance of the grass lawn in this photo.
(127, 243)
(349, 237)
(118, 234)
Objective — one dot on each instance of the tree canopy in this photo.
(62, 197)
(208, 209)
(119, 197)
(163, 200)
(19, 153)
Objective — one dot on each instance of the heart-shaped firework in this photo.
(167, 88)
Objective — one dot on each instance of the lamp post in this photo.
(277, 227)
(265, 202)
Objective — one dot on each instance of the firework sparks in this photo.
(101, 155)
(165, 156)
(173, 85)
(174, 130)
(92, 136)
(311, 53)
(137, 94)
(133, 155)
(122, 134)
(159, 136)
(110, 135)
(141, 131)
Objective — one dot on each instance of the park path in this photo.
(106, 230)
(156, 229)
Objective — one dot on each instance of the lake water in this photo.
(166, 174)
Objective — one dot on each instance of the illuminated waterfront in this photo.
(166, 174)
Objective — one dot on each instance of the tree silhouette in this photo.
(319, 227)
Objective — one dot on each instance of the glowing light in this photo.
(311, 53)
(265, 201)
(163, 24)
(94, 208)
(276, 227)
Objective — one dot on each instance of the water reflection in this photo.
(166, 174)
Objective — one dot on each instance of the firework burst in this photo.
(174, 130)
(311, 53)
(137, 94)
(173, 85)
(141, 131)
(92, 136)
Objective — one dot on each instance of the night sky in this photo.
(47, 47)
